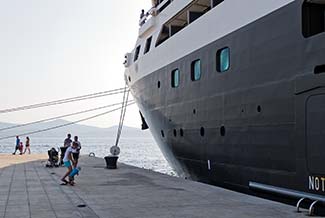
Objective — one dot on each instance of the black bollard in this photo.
(111, 161)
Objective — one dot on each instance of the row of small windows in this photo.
(202, 132)
(222, 63)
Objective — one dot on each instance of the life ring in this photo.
(92, 154)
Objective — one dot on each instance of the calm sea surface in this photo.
(140, 152)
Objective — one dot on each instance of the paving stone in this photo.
(125, 192)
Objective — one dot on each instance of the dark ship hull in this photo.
(262, 121)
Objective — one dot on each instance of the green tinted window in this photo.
(196, 70)
(175, 78)
(223, 59)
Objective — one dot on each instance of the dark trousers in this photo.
(16, 148)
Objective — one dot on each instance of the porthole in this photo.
(194, 111)
(175, 132)
(196, 70)
(223, 60)
(181, 132)
(202, 131)
(162, 133)
(129, 79)
(222, 131)
(158, 84)
(259, 109)
(175, 78)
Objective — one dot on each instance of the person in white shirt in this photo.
(67, 161)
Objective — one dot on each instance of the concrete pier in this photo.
(28, 189)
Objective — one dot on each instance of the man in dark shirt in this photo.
(75, 153)
(142, 18)
(67, 142)
(17, 144)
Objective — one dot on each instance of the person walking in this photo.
(76, 152)
(17, 144)
(67, 162)
(27, 145)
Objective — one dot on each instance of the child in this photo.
(74, 172)
(67, 161)
(21, 147)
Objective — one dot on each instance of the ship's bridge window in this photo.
(223, 59)
(196, 70)
(313, 17)
(148, 44)
(136, 54)
(175, 78)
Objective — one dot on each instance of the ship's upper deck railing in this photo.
(158, 6)
(146, 16)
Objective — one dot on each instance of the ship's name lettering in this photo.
(317, 183)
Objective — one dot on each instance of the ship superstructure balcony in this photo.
(185, 17)
(194, 10)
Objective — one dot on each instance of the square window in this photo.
(223, 60)
(136, 54)
(175, 78)
(196, 70)
(148, 44)
(313, 18)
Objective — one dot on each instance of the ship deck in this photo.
(28, 189)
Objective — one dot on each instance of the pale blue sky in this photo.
(53, 49)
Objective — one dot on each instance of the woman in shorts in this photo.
(67, 161)
(27, 145)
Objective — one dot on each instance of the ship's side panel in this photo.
(248, 123)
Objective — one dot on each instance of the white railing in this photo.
(151, 13)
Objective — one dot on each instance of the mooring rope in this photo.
(59, 117)
(122, 115)
(63, 125)
(64, 101)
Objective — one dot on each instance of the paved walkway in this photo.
(29, 189)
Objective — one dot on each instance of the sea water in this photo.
(136, 151)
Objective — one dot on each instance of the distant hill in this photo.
(75, 129)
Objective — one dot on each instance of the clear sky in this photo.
(54, 49)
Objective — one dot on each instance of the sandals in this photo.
(64, 182)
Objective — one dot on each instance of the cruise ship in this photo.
(233, 91)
